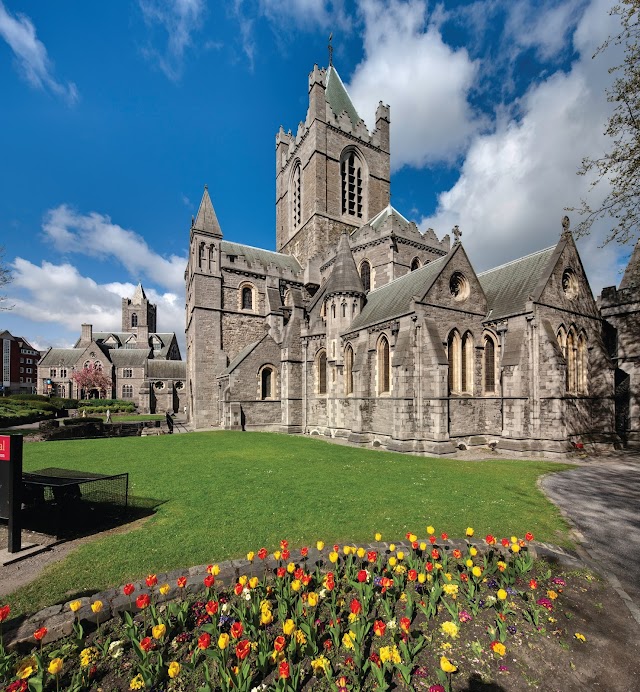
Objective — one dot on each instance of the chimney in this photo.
(87, 335)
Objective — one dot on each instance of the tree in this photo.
(90, 378)
(621, 165)
(5, 278)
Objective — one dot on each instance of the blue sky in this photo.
(114, 115)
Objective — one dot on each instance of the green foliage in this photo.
(304, 490)
(104, 404)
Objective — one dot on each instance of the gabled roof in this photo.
(509, 286)
(129, 357)
(382, 216)
(337, 96)
(394, 299)
(207, 221)
(264, 257)
(166, 369)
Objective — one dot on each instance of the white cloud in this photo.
(31, 54)
(58, 294)
(515, 182)
(179, 19)
(95, 235)
(307, 13)
(408, 66)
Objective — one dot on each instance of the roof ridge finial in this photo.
(565, 225)
(330, 50)
(457, 233)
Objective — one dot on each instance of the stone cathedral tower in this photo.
(139, 317)
(333, 175)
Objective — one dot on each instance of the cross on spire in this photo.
(330, 49)
(457, 233)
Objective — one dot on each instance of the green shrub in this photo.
(80, 421)
(110, 403)
(64, 403)
(29, 397)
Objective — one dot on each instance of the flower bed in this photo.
(361, 619)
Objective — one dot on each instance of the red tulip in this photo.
(242, 649)
(356, 606)
(211, 607)
(435, 554)
(182, 582)
(236, 630)
(281, 571)
(286, 554)
(298, 573)
(505, 542)
(262, 553)
(284, 545)
(128, 589)
(146, 644)
(445, 536)
(40, 634)
(4, 612)
(405, 623)
(379, 628)
(412, 575)
(372, 556)
(429, 566)
(457, 554)
(533, 584)
(304, 551)
(209, 581)
(283, 670)
(490, 540)
(237, 589)
(143, 600)
(151, 580)
(432, 539)
(306, 578)
(528, 536)
(279, 643)
(204, 641)
(362, 576)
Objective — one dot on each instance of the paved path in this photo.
(602, 500)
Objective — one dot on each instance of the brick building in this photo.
(144, 365)
(362, 327)
(19, 365)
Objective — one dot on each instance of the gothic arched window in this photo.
(247, 297)
(352, 175)
(348, 369)
(267, 382)
(453, 355)
(415, 264)
(384, 370)
(582, 364)
(365, 275)
(466, 364)
(571, 361)
(134, 320)
(321, 370)
(489, 365)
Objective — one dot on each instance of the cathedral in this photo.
(360, 326)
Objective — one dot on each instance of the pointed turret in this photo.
(632, 272)
(139, 295)
(344, 277)
(338, 97)
(207, 221)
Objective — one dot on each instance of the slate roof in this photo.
(129, 357)
(139, 295)
(338, 98)
(509, 286)
(60, 356)
(241, 356)
(631, 275)
(382, 216)
(393, 299)
(166, 369)
(264, 257)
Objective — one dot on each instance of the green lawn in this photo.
(230, 492)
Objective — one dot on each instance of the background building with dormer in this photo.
(360, 326)
(144, 365)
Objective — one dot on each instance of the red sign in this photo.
(5, 448)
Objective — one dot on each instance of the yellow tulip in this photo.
(422, 578)
(476, 571)
(158, 631)
(473, 551)
(312, 599)
(400, 555)
(430, 530)
(469, 563)
(291, 567)
(361, 553)
(346, 549)
(96, 606)
(515, 547)
(266, 618)
(223, 641)
(296, 584)
(378, 536)
(250, 555)
(514, 539)
(423, 546)
(333, 556)
(55, 667)
(392, 547)
(502, 594)
(319, 545)
(164, 589)
(174, 669)
(243, 580)
(288, 627)
(215, 570)
(392, 561)
(447, 666)
(253, 582)
(413, 537)
(277, 554)
(469, 531)
(75, 606)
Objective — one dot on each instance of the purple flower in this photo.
(545, 603)
(559, 581)
(512, 629)
(502, 668)
(464, 616)
(492, 584)
(511, 591)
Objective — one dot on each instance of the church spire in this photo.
(344, 277)
(207, 221)
(632, 272)
(138, 295)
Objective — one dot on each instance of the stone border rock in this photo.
(58, 619)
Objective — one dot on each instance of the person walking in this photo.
(108, 416)
(169, 423)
